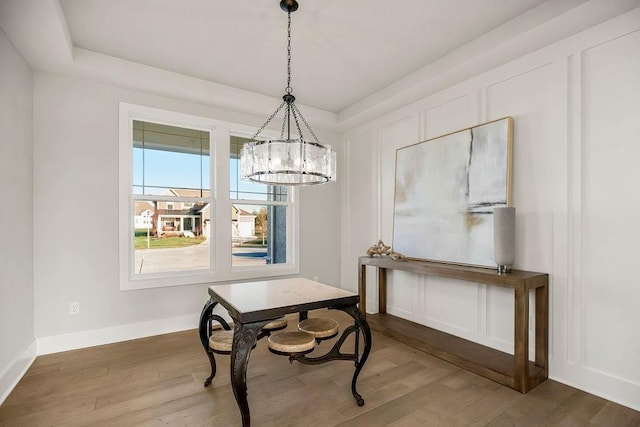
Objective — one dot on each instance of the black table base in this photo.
(246, 334)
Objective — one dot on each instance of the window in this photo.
(170, 169)
(173, 228)
(258, 219)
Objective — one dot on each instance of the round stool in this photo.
(321, 328)
(220, 341)
(291, 342)
(276, 325)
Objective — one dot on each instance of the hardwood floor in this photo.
(159, 381)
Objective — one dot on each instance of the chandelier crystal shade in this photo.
(287, 160)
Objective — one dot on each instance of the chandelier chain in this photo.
(264, 125)
(289, 89)
(284, 123)
(295, 107)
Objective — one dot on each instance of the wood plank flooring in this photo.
(159, 381)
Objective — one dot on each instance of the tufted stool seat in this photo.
(276, 325)
(321, 328)
(220, 341)
(291, 342)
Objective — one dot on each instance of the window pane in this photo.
(259, 235)
(249, 190)
(169, 157)
(171, 236)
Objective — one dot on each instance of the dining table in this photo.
(251, 305)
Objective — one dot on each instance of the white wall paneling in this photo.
(441, 295)
(575, 177)
(571, 324)
(453, 115)
(402, 294)
(610, 208)
(360, 210)
(397, 132)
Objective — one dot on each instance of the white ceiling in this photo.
(353, 60)
(343, 50)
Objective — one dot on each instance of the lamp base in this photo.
(504, 269)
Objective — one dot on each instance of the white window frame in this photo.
(220, 227)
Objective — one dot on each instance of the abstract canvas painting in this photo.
(445, 192)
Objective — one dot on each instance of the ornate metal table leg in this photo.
(244, 338)
(204, 337)
(361, 321)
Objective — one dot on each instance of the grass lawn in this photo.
(164, 242)
(251, 243)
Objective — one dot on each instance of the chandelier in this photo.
(287, 160)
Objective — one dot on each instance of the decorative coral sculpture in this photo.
(380, 249)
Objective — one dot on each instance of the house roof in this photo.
(181, 192)
(236, 212)
(143, 205)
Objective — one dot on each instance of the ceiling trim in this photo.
(39, 31)
(541, 27)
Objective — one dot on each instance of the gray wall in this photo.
(76, 189)
(16, 218)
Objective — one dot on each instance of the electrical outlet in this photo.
(74, 307)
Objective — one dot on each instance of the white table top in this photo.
(278, 297)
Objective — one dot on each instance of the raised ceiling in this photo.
(343, 50)
(353, 60)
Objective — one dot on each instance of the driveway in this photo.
(194, 257)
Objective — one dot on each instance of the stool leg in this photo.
(212, 361)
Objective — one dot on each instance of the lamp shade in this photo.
(504, 238)
(288, 162)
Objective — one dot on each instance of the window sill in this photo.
(237, 274)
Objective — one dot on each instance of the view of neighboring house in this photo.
(243, 223)
(143, 215)
(181, 216)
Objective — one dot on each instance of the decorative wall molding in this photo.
(548, 95)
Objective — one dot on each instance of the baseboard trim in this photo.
(609, 387)
(16, 370)
(94, 337)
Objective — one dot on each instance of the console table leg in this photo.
(382, 290)
(542, 328)
(362, 288)
(521, 340)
